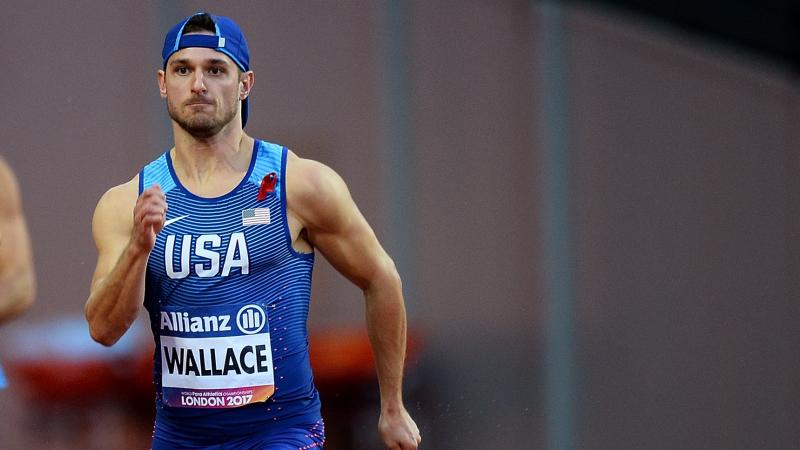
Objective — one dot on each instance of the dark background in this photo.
(767, 28)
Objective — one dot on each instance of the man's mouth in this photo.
(198, 102)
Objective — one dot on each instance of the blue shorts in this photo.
(297, 437)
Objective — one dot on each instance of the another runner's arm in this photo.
(337, 228)
(124, 229)
(17, 281)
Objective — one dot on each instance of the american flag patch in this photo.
(255, 216)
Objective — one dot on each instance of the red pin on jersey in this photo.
(267, 185)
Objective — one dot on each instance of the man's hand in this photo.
(148, 218)
(398, 430)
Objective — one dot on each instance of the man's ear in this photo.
(162, 85)
(246, 81)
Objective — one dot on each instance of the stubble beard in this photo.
(201, 125)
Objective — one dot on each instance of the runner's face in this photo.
(202, 87)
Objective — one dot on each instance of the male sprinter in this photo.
(17, 281)
(216, 238)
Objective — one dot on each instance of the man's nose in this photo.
(198, 83)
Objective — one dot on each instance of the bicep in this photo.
(111, 226)
(353, 250)
(340, 232)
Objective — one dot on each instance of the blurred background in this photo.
(594, 206)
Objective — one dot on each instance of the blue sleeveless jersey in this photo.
(228, 301)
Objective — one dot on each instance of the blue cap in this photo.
(228, 39)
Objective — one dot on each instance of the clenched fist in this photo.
(148, 218)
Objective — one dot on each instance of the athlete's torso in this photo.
(228, 300)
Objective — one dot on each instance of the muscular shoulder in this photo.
(310, 181)
(314, 191)
(115, 209)
(121, 196)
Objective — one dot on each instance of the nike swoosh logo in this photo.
(174, 219)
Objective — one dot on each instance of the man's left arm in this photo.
(17, 281)
(334, 225)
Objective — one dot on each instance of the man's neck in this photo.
(198, 161)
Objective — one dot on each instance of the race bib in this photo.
(215, 357)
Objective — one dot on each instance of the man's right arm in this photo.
(124, 229)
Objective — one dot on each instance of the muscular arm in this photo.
(124, 230)
(334, 225)
(17, 281)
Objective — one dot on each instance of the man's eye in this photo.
(215, 71)
(182, 70)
